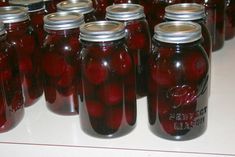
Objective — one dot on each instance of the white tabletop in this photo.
(42, 133)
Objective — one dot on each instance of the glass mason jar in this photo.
(229, 19)
(178, 70)
(138, 38)
(108, 79)
(21, 36)
(36, 12)
(215, 12)
(126, 1)
(84, 7)
(60, 61)
(100, 7)
(11, 97)
(50, 6)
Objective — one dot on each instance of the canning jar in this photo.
(138, 38)
(108, 79)
(229, 19)
(126, 1)
(215, 12)
(84, 7)
(22, 37)
(100, 6)
(50, 6)
(36, 12)
(11, 97)
(60, 62)
(178, 78)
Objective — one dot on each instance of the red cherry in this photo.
(27, 44)
(182, 95)
(114, 118)
(74, 43)
(53, 64)
(134, 26)
(95, 109)
(160, 106)
(121, 62)
(111, 93)
(168, 126)
(99, 51)
(136, 41)
(5, 74)
(162, 73)
(96, 71)
(196, 66)
(25, 65)
(50, 94)
(67, 77)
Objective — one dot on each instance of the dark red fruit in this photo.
(114, 118)
(162, 73)
(25, 65)
(130, 113)
(95, 109)
(130, 94)
(96, 71)
(5, 74)
(195, 65)
(182, 95)
(27, 44)
(121, 62)
(134, 26)
(136, 41)
(50, 94)
(67, 77)
(17, 101)
(53, 64)
(99, 51)
(111, 93)
(168, 126)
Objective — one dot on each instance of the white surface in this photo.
(42, 133)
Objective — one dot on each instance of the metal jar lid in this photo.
(102, 31)
(32, 5)
(185, 12)
(80, 6)
(12, 14)
(63, 20)
(123, 12)
(177, 32)
(2, 28)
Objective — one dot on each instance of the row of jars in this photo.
(108, 65)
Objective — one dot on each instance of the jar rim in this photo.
(12, 14)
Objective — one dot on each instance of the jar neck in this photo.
(103, 43)
(63, 32)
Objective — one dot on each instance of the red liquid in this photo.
(109, 105)
(177, 99)
(126, 1)
(59, 68)
(50, 6)
(11, 97)
(229, 20)
(100, 6)
(20, 35)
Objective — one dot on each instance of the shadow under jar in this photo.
(108, 77)
(84, 7)
(11, 96)
(22, 37)
(60, 62)
(178, 70)
(138, 39)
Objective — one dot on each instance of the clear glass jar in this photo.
(108, 79)
(138, 38)
(60, 64)
(178, 78)
(11, 97)
(215, 11)
(36, 12)
(229, 19)
(50, 6)
(100, 6)
(126, 1)
(21, 36)
(84, 7)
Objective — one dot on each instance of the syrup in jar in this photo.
(60, 64)
(138, 39)
(178, 78)
(11, 96)
(108, 79)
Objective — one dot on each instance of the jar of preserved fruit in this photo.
(60, 64)
(108, 79)
(11, 97)
(21, 36)
(215, 12)
(138, 38)
(126, 1)
(229, 19)
(50, 6)
(178, 77)
(100, 6)
(84, 7)
(36, 12)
